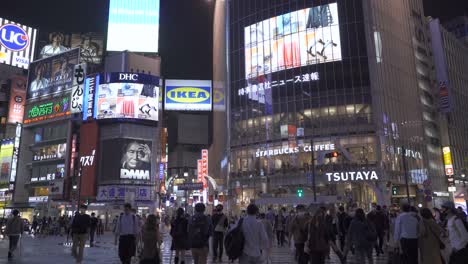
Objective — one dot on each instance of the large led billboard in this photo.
(127, 95)
(133, 25)
(17, 99)
(303, 37)
(188, 95)
(17, 43)
(52, 76)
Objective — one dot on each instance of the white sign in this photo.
(77, 95)
(452, 189)
(88, 160)
(17, 43)
(254, 88)
(134, 174)
(35, 199)
(289, 151)
(351, 176)
(117, 192)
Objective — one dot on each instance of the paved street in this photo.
(53, 250)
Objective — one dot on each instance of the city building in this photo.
(334, 100)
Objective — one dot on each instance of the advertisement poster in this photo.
(47, 110)
(304, 37)
(17, 44)
(17, 99)
(87, 154)
(188, 95)
(53, 75)
(126, 159)
(6, 155)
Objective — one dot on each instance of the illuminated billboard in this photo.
(127, 95)
(17, 99)
(17, 43)
(303, 37)
(188, 95)
(52, 76)
(133, 25)
(47, 110)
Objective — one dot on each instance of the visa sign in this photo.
(13, 37)
(185, 97)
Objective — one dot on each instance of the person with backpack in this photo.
(457, 234)
(200, 230)
(298, 229)
(80, 232)
(13, 229)
(255, 237)
(127, 231)
(220, 223)
(179, 234)
(280, 226)
(362, 236)
(406, 234)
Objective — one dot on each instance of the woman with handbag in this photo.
(151, 241)
(430, 239)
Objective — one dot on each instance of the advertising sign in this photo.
(127, 95)
(89, 136)
(188, 95)
(91, 82)
(53, 75)
(190, 186)
(57, 151)
(448, 161)
(351, 176)
(47, 110)
(17, 99)
(126, 159)
(6, 154)
(133, 25)
(17, 44)
(304, 37)
(14, 161)
(77, 94)
(117, 192)
(204, 168)
(56, 187)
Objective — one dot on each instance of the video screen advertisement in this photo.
(127, 95)
(17, 99)
(89, 135)
(304, 37)
(52, 76)
(17, 44)
(133, 25)
(126, 159)
(188, 95)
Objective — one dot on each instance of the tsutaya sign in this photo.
(281, 151)
(352, 176)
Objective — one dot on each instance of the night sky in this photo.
(185, 26)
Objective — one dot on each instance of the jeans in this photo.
(379, 245)
(200, 255)
(362, 254)
(280, 237)
(127, 248)
(79, 241)
(218, 238)
(92, 233)
(246, 259)
(317, 257)
(13, 242)
(302, 257)
(409, 246)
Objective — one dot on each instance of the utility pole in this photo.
(314, 186)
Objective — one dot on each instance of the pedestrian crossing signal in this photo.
(300, 193)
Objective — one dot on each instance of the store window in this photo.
(50, 132)
(48, 172)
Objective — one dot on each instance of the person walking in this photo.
(255, 236)
(80, 230)
(179, 234)
(318, 239)
(361, 236)
(280, 226)
(298, 229)
(127, 231)
(92, 229)
(220, 223)
(344, 220)
(271, 237)
(380, 221)
(151, 241)
(457, 234)
(406, 235)
(430, 239)
(13, 229)
(200, 230)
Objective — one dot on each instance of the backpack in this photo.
(179, 227)
(80, 224)
(370, 232)
(234, 242)
(199, 234)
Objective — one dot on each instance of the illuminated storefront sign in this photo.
(17, 43)
(303, 78)
(408, 152)
(295, 150)
(50, 109)
(448, 161)
(351, 176)
(204, 169)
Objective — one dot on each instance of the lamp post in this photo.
(312, 170)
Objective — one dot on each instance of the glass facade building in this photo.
(329, 84)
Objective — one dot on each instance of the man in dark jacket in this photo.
(298, 228)
(200, 230)
(344, 220)
(14, 228)
(92, 231)
(380, 222)
(80, 228)
(220, 223)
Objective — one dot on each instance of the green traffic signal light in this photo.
(299, 193)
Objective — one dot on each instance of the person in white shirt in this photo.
(40, 82)
(127, 230)
(55, 46)
(458, 236)
(406, 234)
(255, 236)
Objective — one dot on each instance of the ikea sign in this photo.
(188, 95)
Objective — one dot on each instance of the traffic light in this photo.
(394, 190)
(300, 193)
(333, 154)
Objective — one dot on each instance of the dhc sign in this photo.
(188, 95)
(352, 176)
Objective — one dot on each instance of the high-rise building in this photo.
(334, 98)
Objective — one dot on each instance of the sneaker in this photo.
(10, 255)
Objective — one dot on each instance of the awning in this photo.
(296, 200)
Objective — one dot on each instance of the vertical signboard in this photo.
(88, 145)
(17, 99)
(90, 85)
(449, 168)
(77, 94)
(200, 170)
(204, 167)
(14, 160)
(440, 65)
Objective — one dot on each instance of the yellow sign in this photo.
(447, 156)
(188, 95)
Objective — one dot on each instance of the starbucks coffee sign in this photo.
(352, 176)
